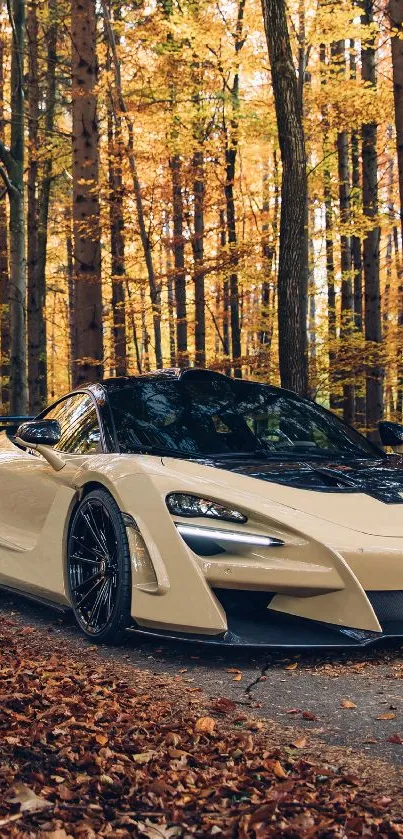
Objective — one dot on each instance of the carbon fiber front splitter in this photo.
(286, 632)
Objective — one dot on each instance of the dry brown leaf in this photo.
(28, 800)
(292, 666)
(347, 703)
(144, 757)
(233, 670)
(237, 677)
(205, 725)
(102, 739)
(388, 716)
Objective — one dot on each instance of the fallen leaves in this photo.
(347, 703)
(388, 716)
(88, 753)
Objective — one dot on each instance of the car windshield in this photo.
(207, 414)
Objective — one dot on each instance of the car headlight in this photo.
(191, 506)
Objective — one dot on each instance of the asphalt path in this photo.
(352, 700)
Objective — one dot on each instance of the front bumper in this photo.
(252, 624)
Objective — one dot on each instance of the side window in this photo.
(78, 419)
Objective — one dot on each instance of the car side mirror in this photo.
(39, 432)
(41, 435)
(392, 435)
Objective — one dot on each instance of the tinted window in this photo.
(79, 423)
(210, 414)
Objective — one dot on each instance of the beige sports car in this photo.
(195, 506)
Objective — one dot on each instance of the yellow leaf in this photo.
(102, 739)
(144, 757)
(237, 677)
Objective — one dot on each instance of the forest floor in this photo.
(162, 740)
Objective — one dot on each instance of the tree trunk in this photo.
(36, 352)
(70, 289)
(179, 263)
(117, 241)
(198, 255)
(373, 316)
(154, 287)
(88, 364)
(234, 303)
(345, 371)
(293, 263)
(396, 19)
(4, 268)
(37, 365)
(18, 361)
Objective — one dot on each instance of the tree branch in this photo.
(6, 157)
(8, 184)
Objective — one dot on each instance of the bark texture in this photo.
(293, 266)
(4, 268)
(179, 263)
(373, 315)
(87, 366)
(13, 176)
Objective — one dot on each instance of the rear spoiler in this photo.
(11, 424)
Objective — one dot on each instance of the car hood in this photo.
(366, 495)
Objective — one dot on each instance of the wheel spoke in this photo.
(92, 531)
(85, 559)
(88, 593)
(98, 529)
(97, 605)
(88, 580)
(84, 544)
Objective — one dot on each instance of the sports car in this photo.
(191, 505)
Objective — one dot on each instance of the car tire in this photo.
(98, 568)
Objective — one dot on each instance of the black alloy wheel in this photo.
(98, 568)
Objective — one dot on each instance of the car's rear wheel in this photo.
(98, 568)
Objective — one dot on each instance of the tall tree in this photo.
(12, 174)
(373, 315)
(87, 366)
(4, 308)
(347, 313)
(293, 253)
(154, 285)
(396, 20)
(231, 135)
(37, 350)
(179, 262)
(33, 303)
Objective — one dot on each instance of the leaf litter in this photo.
(88, 753)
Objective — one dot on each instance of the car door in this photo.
(34, 497)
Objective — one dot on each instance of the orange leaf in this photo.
(205, 725)
(278, 770)
(347, 703)
(388, 716)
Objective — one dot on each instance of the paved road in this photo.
(304, 692)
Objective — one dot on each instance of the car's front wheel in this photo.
(98, 568)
